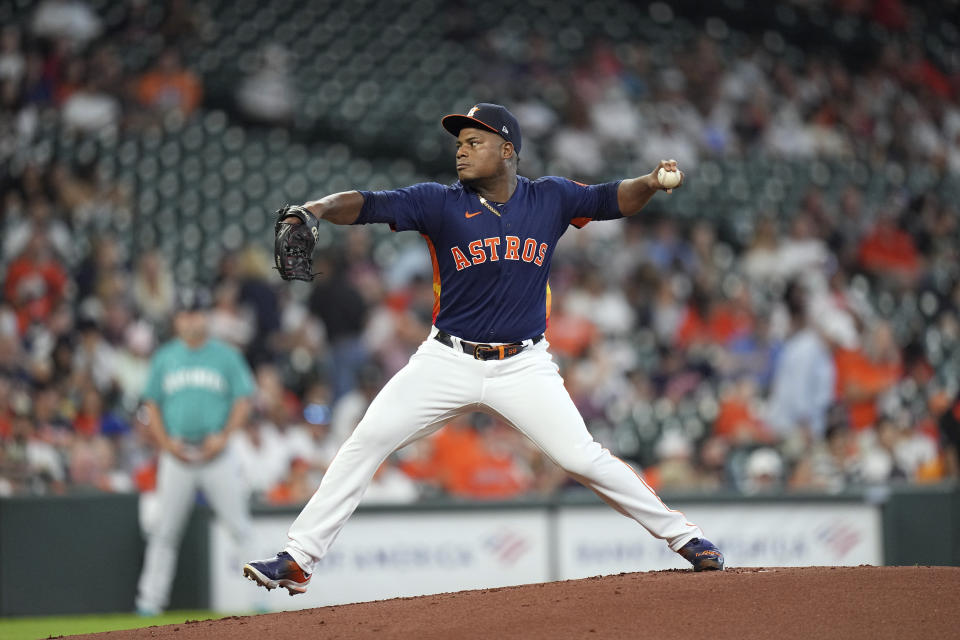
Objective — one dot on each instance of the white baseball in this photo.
(669, 179)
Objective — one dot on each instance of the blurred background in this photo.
(786, 322)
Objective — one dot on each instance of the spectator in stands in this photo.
(802, 252)
(71, 20)
(93, 357)
(949, 425)
(760, 262)
(463, 462)
(710, 319)
(575, 148)
(498, 471)
(667, 130)
(6, 402)
(263, 456)
(713, 457)
(90, 109)
(10, 101)
(763, 472)
(604, 304)
(883, 103)
(879, 462)
(398, 321)
(258, 296)
(40, 219)
(676, 468)
(264, 446)
(953, 154)
(295, 488)
(751, 354)
(268, 95)
(169, 86)
(153, 288)
(181, 20)
(831, 464)
(349, 408)
(68, 76)
(865, 373)
(916, 451)
(667, 249)
(27, 463)
(570, 333)
(308, 436)
(341, 308)
(390, 485)
(889, 251)
(108, 68)
(803, 379)
(13, 64)
(228, 320)
(94, 272)
(132, 363)
(667, 308)
(78, 193)
(692, 328)
(93, 465)
(35, 283)
(37, 87)
(37, 403)
(737, 420)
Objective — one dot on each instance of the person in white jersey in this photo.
(491, 236)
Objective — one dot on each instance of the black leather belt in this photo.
(485, 351)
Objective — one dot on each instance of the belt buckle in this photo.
(476, 350)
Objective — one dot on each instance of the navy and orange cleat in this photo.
(702, 554)
(281, 571)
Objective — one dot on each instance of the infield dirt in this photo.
(852, 603)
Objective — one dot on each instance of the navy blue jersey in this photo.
(489, 271)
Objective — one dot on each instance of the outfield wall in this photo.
(83, 553)
(381, 555)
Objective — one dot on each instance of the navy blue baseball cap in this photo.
(191, 299)
(485, 115)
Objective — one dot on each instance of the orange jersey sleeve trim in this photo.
(580, 223)
(436, 276)
(549, 303)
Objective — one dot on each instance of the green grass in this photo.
(32, 628)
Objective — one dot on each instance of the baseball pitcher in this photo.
(491, 237)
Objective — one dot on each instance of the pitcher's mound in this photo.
(782, 603)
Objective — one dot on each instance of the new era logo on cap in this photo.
(485, 115)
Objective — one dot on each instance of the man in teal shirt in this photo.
(198, 393)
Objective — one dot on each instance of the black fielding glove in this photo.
(294, 243)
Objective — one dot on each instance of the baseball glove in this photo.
(294, 243)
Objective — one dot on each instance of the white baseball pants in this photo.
(223, 485)
(440, 383)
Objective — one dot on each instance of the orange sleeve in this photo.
(10, 285)
(280, 494)
(192, 92)
(56, 278)
(146, 89)
(842, 363)
(690, 329)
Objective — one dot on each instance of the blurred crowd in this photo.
(815, 353)
(713, 93)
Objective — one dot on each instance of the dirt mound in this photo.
(810, 602)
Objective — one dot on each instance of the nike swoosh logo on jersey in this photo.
(467, 214)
